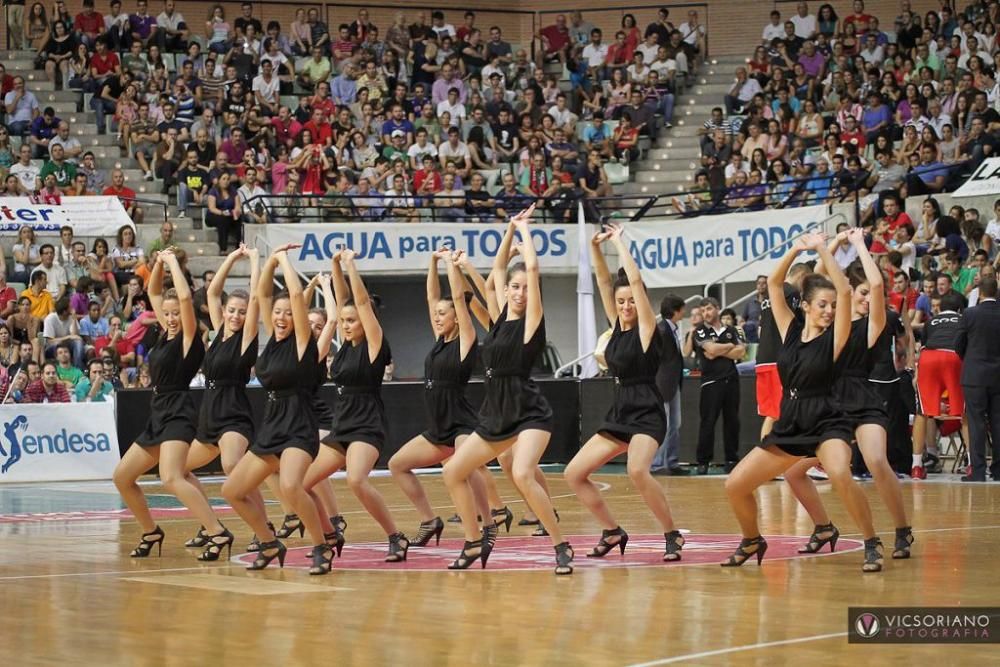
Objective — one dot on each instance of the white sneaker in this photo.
(149, 175)
(182, 214)
(817, 472)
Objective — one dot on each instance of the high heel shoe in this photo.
(873, 555)
(146, 544)
(742, 555)
(603, 547)
(466, 559)
(675, 542)
(398, 545)
(264, 558)
(199, 540)
(289, 525)
(254, 545)
(322, 557)
(505, 515)
(215, 545)
(490, 533)
(564, 558)
(818, 541)
(540, 531)
(904, 538)
(428, 529)
(339, 523)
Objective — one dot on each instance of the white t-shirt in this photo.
(691, 33)
(446, 151)
(53, 327)
(126, 254)
(562, 118)
(267, 90)
(57, 278)
(909, 257)
(26, 174)
(805, 26)
(648, 52)
(418, 152)
(595, 55)
(457, 111)
(993, 230)
(773, 32)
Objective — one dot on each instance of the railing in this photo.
(150, 204)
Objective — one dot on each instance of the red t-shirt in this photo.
(123, 346)
(312, 178)
(326, 104)
(6, 85)
(860, 21)
(420, 176)
(126, 194)
(285, 131)
(857, 138)
(93, 23)
(558, 39)
(896, 300)
(7, 294)
(901, 219)
(321, 134)
(105, 65)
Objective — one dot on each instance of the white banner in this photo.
(985, 181)
(88, 216)
(50, 442)
(698, 251)
(405, 247)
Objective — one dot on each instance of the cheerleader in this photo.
(225, 420)
(811, 423)
(514, 414)
(870, 343)
(287, 439)
(166, 440)
(450, 416)
(636, 422)
(359, 426)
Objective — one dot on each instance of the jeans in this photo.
(668, 454)
(184, 196)
(666, 107)
(102, 107)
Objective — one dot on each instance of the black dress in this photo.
(224, 405)
(638, 405)
(858, 398)
(322, 410)
(446, 375)
(288, 420)
(359, 415)
(172, 412)
(809, 413)
(513, 402)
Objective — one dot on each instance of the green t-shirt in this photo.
(71, 374)
(963, 279)
(64, 174)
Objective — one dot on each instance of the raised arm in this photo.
(533, 312)
(155, 291)
(265, 289)
(603, 276)
(215, 288)
(341, 291)
(644, 309)
(466, 329)
(189, 323)
(780, 310)
(499, 274)
(876, 285)
(433, 285)
(300, 311)
(326, 335)
(363, 304)
(484, 305)
(310, 290)
(845, 312)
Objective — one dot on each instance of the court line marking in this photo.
(737, 649)
(109, 573)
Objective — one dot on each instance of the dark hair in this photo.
(947, 226)
(709, 301)
(987, 288)
(515, 268)
(84, 284)
(466, 296)
(728, 311)
(282, 294)
(64, 346)
(621, 280)
(239, 294)
(95, 360)
(813, 283)
(670, 304)
(856, 274)
(50, 363)
(954, 301)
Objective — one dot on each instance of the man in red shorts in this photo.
(939, 370)
(768, 383)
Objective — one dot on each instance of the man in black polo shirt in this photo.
(717, 348)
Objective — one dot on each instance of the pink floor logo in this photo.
(533, 553)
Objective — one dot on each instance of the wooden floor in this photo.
(71, 595)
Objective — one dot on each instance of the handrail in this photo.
(571, 364)
(153, 202)
(722, 279)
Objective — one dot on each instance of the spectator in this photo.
(21, 106)
(67, 373)
(126, 255)
(742, 92)
(47, 388)
(59, 326)
(56, 274)
(43, 128)
(125, 194)
(94, 388)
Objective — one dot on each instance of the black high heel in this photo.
(564, 558)
(603, 547)
(428, 529)
(675, 542)
(466, 559)
(742, 555)
(199, 540)
(529, 522)
(398, 545)
(816, 542)
(540, 531)
(146, 545)
(490, 533)
(254, 545)
(322, 557)
(214, 549)
(264, 559)
(873, 555)
(507, 517)
(339, 523)
(904, 538)
(289, 525)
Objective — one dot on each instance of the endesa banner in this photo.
(88, 216)
(698, 251)
(405, 248)
(51, 442)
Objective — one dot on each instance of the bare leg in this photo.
(473, 454)
(173, 474)
(328, 461)
(596, 452)
(246, 478)
(136, 462)
(528, 452)
(490, 486)
(766, 427)
(327, 499)
(872, 443)
(759, 466)
(361, 459)
(641, 451)
(835, 455)
(805, 492)
(417, 453)
(275, 487)
(294, 464)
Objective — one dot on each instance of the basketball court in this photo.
(72, 594)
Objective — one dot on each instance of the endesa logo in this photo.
(18, 440)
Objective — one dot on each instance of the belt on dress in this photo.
(633, 381)
(795, 393)
(218, 384)
(169, 389)
(275, 394)
(854, 373)
(353, 390)
(492, 373)
(441, 384)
